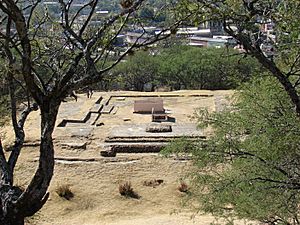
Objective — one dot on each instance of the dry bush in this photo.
(126, 190)
(64, 191)
(153, 183)
(183, 187)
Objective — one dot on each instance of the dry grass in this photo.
(126, 190)
(86, 204)
(64, 191)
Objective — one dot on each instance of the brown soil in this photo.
(95, 180)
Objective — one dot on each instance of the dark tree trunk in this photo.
(15, 205)
(14, 221)
(9, 215)
(255, 51)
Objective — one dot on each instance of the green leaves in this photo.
(205, 68)
(187, 67)
(138, 70)
(249, 167)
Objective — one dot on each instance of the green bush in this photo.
(251, 163)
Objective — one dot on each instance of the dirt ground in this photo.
(95, 183)
(96, 197)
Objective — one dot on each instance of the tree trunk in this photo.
(13, 221)
(9, 215)
(36, 193)
(255, 51)
(15, 205)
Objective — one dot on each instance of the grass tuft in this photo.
(64, 191)
(183, 187)
(126, 190)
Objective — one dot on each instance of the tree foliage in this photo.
(244, 21)
(205, 68)
(186, 67)
(49, 57)
(139, 70)
(253, 156)
(249, 167)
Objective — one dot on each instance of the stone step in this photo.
(99, 100)
(107, 109)
(112, 149)
(150, 139)
(105, 101)
(93, 119)
(96, 108)
(74, 145)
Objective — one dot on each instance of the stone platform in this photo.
(107, 119)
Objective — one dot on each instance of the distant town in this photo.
(208, 34)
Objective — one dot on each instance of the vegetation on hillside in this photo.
(253, 155)
(257, 142)
(53, 56)
(249, 167)
(184, 67)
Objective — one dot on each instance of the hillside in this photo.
(95, 180)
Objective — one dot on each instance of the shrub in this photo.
(64, 191)
(183, 187)
(126, 190)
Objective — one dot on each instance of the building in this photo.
(215, 41)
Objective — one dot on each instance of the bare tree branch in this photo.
(5, 172)
(93, 4)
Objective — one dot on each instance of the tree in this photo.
(249, 168)
(205, 68)
(139, 69)
(52, 58)
(244, 20)
(186, 67)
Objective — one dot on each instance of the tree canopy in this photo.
(48, 57)
(179, 67)
(253, 166)
(249, 166)
(205, 68)
(244, 21)
(139, 70)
